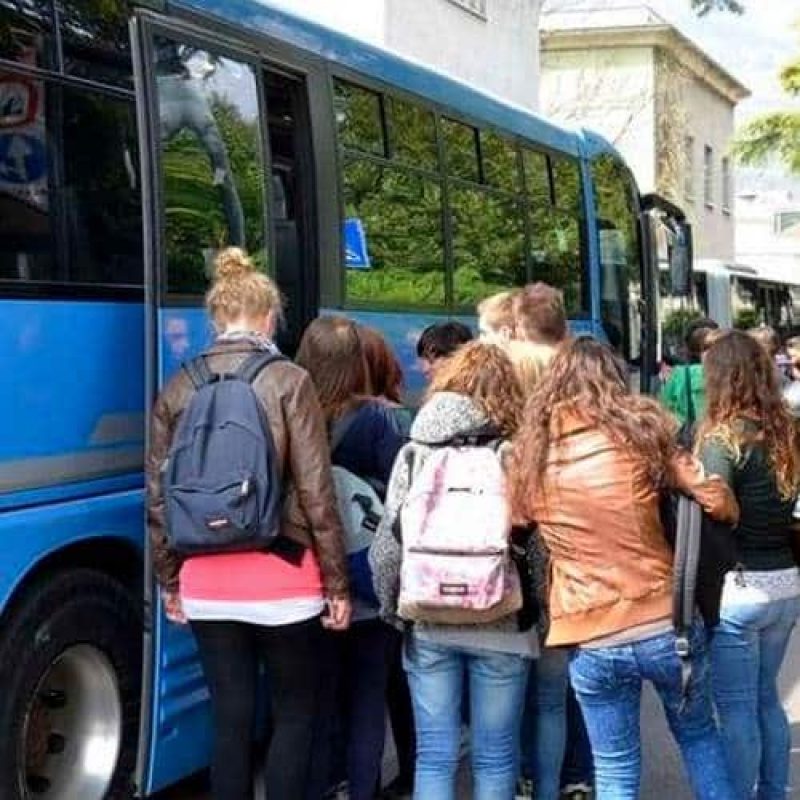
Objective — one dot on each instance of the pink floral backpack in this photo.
(455, 523)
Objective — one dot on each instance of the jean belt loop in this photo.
(684, 651)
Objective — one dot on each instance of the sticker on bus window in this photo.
(356, 255)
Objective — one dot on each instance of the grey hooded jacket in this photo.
(444, 416)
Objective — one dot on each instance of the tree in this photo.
(703, 7)
(776, 133)
(700, 7)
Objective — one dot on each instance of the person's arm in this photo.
(166, 563)
(310, 465)
(385, 553)
(710, 484)
(388, 442)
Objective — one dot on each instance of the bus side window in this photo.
(70, 206)
(211, 161)
(556, 222)
(392, 193)
(620, 262)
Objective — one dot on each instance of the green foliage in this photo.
(776, 134)
(703, 7)
(770, 135)
(677, 323)
(194, 211)
(746, 319)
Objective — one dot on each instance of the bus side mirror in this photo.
(680, 258)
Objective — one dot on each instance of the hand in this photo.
(173, 607)
(339, 613)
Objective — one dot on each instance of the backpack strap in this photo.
(252, 366)
(198, 371)
(487, 436)
(691, 416)
(687, 560)
(341, 428)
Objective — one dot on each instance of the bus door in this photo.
(226, 160)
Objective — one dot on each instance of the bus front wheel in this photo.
(70, 666)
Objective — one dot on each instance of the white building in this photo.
(489, 44)
(634, 77)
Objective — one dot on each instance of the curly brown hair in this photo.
(484, 373)
(587, 380)
(742, 383)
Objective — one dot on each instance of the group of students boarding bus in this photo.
(477, 564)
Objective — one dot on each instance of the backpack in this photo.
(704, 551)
(687, 430)
(456, 526)
(221, 482)
(360, 509)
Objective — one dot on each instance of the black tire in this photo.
(81, 609)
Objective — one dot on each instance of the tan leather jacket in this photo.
(611, 566)
(311, 515)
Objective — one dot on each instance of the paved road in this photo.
(663, 772)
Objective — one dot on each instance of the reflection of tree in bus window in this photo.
(212, 165)
(184, 106)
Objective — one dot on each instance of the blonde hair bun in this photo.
(233, 263)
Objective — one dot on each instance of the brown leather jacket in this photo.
(311, 515)
(611, 566)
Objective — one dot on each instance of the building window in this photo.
(708, 176)
(688, 169)
(727, 189)
(477, 7)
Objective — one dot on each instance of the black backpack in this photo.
(704, 551)
(221, 482)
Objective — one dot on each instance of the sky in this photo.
(753, 46)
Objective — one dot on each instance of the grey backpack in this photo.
(221, 482)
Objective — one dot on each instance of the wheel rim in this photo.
(73, 729)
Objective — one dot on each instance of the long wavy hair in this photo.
(587, 381)
(742, 384)
(485, 374)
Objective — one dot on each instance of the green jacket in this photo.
(674, 396)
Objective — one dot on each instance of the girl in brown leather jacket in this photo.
(249, 606)
(588, 466)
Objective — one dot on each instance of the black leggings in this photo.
(230, 652)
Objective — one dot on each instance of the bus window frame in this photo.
(263, 53)
(65, 289)
(337, 72)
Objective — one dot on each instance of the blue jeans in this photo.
(747, 651)
(436, 677)
(544, 722)
(608, 684)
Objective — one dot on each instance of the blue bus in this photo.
(135, 141)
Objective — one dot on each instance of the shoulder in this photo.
(283, 377)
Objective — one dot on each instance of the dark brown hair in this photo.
(485, 374)
(383, 369)
(331, 352)
(586, 380)
(442, 339)
(539, 314)
(741, 383)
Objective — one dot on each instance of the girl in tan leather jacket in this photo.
(588, 467)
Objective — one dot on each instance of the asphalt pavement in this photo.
(663, 774)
